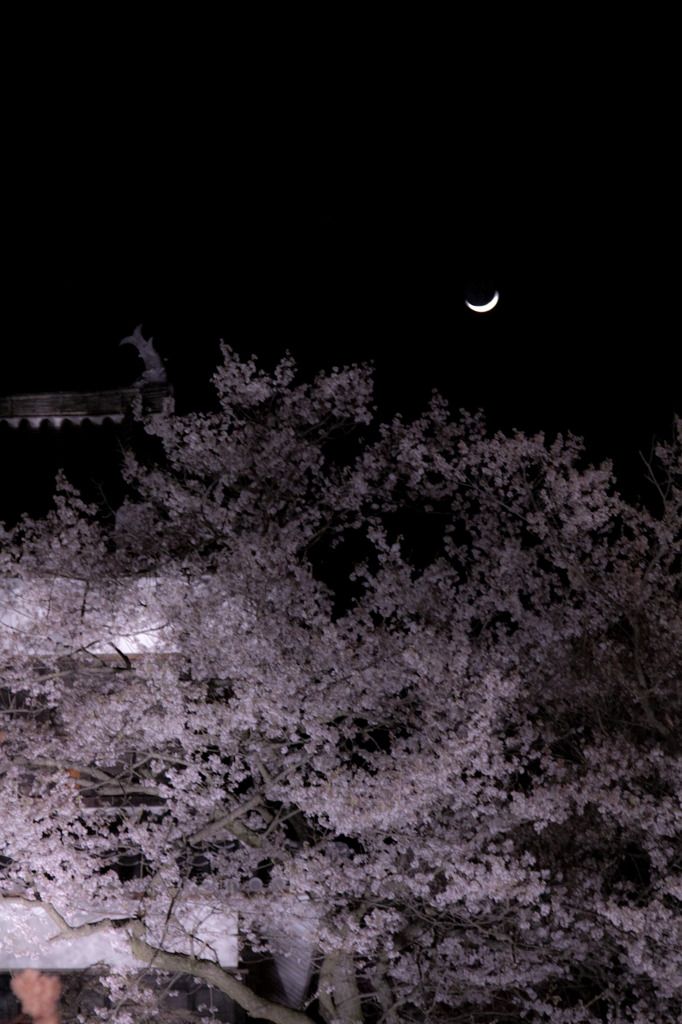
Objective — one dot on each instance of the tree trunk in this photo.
(342, 1003)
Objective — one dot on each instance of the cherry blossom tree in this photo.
(405, 699)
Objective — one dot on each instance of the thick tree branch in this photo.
(215, 975)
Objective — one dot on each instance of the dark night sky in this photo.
(344, 238)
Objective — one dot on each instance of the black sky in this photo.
(347, 232)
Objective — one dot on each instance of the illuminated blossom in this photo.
(406, 699)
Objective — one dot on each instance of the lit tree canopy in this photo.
(404, 698)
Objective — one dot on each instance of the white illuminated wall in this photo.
(39, 616)
(29, 938)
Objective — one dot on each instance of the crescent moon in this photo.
(485, 308)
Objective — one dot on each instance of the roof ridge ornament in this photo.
(155, 371)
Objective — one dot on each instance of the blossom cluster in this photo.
(419, 682)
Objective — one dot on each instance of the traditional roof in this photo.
(76, 406)
(97, 406)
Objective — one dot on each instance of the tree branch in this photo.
(215, 975)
